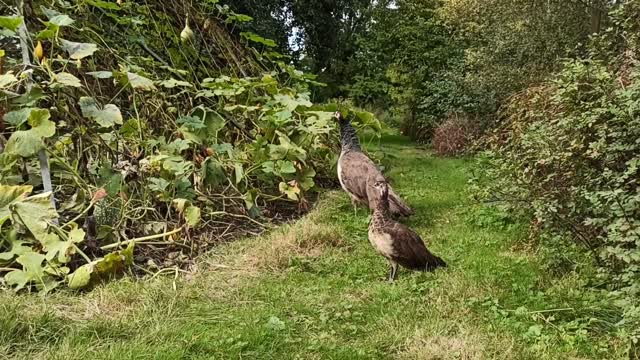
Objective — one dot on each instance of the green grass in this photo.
(316, 290)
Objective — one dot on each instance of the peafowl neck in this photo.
(348, 137)
(381, 210)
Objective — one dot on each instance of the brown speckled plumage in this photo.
(355, 169)
(396, 242)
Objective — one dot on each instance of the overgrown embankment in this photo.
(148, 123)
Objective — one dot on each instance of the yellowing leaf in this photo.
(192, 215)
(35, 213)
(81, 277)
(54, 246)
(239, 171)
(180, 204)
(67, 79)
(140, 82)
(24, 143)
(171, 83)
(10, 194)
(7, 79)
(27, 143)
(78, 50)
(40, 123)
(101, 74)
(291, 191)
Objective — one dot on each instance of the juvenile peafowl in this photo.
(393, 240)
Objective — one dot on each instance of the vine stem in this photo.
(140, 239)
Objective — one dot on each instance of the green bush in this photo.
(568, 153)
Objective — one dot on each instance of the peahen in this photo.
(396, 242)
(355, 169)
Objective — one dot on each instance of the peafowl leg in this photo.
(354, 202)
(393, 272)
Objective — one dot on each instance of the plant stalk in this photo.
(140, 239)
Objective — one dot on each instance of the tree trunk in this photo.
(597, 15)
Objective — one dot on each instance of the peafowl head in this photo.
(382, 189)
(339, 118)
(378, 193)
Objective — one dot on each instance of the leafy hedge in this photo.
(568, 153)
(154, 120)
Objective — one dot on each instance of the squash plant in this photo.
(146, 142)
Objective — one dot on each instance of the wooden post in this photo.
(26, 61)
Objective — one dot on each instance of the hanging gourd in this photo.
(187, 33)
(39, 51)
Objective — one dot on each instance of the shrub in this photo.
(568, 154)
(454, 135)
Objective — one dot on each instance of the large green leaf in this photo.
(17, 248)
(62, 249)
(103, 4)
(285, 167)
(48, 33)
(287, 150)
(24, 143)
(35, 213)
(40, 123)
(105, 117)
(212, 172)
(367, 119)
(290, 103)
(81, 277)
(78, 50)
(10, 22)
(18, 117)
(32, 271)
(258, 39)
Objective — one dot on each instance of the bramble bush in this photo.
(568, 153)
(454, 135)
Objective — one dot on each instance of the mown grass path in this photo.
(316, 290)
